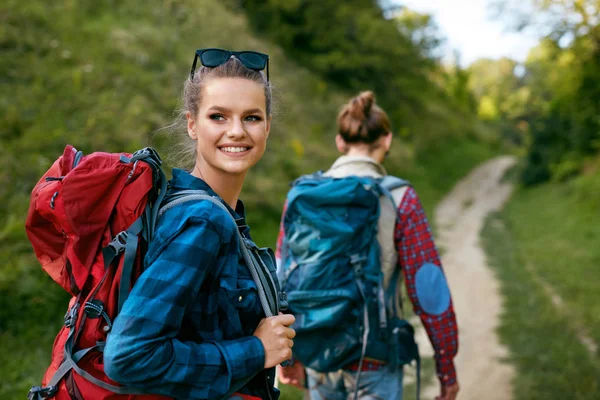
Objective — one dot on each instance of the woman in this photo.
(192, 326)
(405, 241)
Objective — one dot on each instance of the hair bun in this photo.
(362, 121)
(360, 106)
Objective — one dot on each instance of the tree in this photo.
(561, 77)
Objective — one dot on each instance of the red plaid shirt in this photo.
(415, 245)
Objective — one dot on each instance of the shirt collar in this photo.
(367, 161)
(183, 180)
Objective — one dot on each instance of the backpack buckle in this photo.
(119, 242)
(283, 301)
(71, 315)
(147, 153)
(45, 392)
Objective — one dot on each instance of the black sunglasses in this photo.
(214, 57)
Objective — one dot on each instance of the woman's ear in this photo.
(341, 144)
(387, 142)
(191, 126)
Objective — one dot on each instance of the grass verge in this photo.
(551, 361)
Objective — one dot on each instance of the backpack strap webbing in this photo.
(131, 245)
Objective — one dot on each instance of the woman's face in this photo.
(231, 128)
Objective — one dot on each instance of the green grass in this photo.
(548, 236)
(559, 235)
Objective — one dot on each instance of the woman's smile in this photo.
(235, 150)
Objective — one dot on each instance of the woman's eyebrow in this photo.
(254, 111)
(227, 110)
(219, 108)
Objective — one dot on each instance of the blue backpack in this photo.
(331, 273)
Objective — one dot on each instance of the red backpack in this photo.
(90, 221)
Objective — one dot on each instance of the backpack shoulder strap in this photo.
(393, 188)
(393, 182)
(314, 176)
(390, 186)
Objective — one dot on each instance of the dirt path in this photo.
(477, 302)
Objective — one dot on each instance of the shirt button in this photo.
(445, 377)
(240, 298)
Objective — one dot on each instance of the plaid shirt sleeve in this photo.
(143, 349)
(416, 248)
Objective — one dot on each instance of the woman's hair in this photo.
(183, 152)
(363, 121)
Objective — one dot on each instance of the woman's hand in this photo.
(276, 337)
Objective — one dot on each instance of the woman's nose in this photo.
(236, 129)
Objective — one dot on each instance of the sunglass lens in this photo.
(253, 60)
(214, 58)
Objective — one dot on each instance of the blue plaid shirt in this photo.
(185, 331)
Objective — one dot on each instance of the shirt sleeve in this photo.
(143, 350)
(426, 284)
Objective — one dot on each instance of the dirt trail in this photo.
(475, 291)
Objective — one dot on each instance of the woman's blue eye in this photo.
(253, 118)
(217, 117)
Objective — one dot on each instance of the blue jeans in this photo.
(373, 385)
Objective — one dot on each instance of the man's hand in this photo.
(293, 375)
(449, 392)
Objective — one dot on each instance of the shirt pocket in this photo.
(242, 295)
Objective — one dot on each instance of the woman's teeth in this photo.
(234, 149)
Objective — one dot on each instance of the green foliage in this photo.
(502, 97)
(554, 100)
(341, 41)
(564, 124)
(357, 46)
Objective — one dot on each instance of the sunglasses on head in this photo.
(212, 58)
